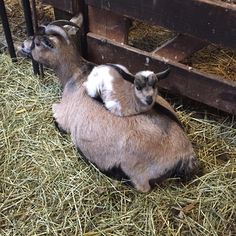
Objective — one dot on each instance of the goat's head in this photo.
(53, 44)
(146, 85)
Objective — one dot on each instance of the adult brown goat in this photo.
(141, 149)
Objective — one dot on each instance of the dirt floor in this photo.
(47, 189)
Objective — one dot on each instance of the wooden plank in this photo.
(180, 47)
(59, 14)
(205, 19)
(208, 89)
(71, 6)
(108, 24)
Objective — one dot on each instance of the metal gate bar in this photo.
(30, 29)
(7, 31)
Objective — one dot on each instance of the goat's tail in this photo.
(187, 168)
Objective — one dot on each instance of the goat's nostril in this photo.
(23, 45)
(149, 100)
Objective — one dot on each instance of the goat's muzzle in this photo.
(26, 48)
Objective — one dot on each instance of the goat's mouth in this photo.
(25, 52)
(26, 48)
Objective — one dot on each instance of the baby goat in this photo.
(120, 96)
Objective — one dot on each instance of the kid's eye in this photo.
(138, 87)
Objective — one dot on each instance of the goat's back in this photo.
(145, 147)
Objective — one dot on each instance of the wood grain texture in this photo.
(184, 80)
(208, 20)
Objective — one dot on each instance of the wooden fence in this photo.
(197, 22)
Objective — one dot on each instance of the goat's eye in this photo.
(138, 87)
(48, 43)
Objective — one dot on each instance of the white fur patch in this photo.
(114, 107)
(99, 79)
(112, 104)
(146, 73)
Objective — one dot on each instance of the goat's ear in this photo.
(78, 20)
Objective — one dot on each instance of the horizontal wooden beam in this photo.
(70, 6)
(205, 88)
(180, 47)
(210, 20)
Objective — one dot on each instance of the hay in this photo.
(211, 59)
(46, 189)
(17, 23)
(146, 37)
(215, 60)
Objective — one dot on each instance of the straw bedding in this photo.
(47, 189)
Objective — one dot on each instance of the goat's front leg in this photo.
(56, 117)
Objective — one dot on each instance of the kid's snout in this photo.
(149, 100)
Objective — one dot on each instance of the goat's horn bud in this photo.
(64, 22)
(54, 29)
(163, 74)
